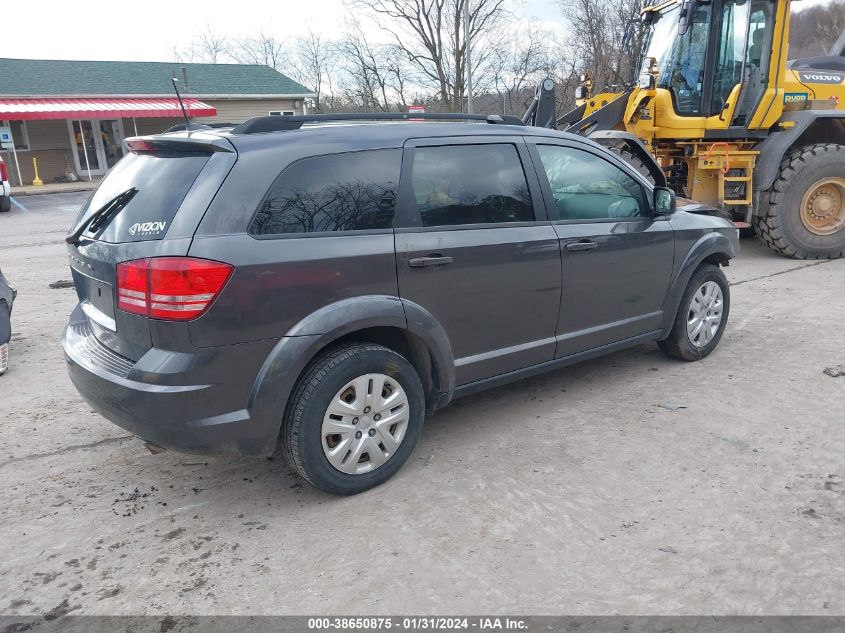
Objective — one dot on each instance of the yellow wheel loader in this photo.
(729, 120)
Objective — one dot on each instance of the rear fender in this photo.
(303, 342)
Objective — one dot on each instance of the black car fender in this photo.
(304, 341)
(715, 247)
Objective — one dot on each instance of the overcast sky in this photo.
(149, 30)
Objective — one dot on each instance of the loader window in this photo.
(586, 187)
(682, 67)
(742, 59)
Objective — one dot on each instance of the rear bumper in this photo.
(150, 397)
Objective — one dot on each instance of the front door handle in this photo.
(429, 261)
(583, 245)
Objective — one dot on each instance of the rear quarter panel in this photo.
(280, 280)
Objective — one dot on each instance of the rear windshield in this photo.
(162, 181)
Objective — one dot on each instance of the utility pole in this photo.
(468, 65)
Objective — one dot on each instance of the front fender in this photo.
(714, 243)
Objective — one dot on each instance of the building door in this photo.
(97, 145)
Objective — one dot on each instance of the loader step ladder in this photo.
(734, 166)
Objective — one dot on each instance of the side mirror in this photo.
(664, 201)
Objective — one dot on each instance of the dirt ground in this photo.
(574, 492)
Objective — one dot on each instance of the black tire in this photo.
(779, 225)
(633, 160)
(320, 382)
(678, 344)
(5, 204)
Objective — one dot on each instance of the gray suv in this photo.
(321, 286)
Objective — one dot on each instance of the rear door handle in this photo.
(583, 245)
(430, 261)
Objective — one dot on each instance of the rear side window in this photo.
(355, 191)
(162, 181)
(470, 184)
(586, 187)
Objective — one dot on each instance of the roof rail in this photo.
(276, 123)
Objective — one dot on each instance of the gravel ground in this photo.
(574, 492)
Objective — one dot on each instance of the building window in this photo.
(19, 134)
(281, 112)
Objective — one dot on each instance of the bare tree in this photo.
(518, 63)
(430, 35)
(262, 49)
(207, 47)
(814, 29)
(314, 64)
(370, 73)
(597, 38)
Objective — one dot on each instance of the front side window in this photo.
(586, 187)
(682, 68)
(470, 184)
(355, 191)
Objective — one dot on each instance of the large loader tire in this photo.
(805, 214)
(629, 157)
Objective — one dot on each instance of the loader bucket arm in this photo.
(542, 109)
(609, 117)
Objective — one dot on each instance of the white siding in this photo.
(239, 110)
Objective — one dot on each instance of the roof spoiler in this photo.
(206, 144)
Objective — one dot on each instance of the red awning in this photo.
(106, 108)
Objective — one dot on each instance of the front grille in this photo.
(85, 348)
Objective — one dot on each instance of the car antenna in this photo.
(181, 104)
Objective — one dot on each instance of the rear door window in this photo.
(162, 181)
(353, 191)
(470, 184)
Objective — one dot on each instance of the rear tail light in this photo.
(4, 174)
(170, 288)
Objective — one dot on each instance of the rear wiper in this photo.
(103, 214)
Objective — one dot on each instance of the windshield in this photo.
(680, 58)
(663, 32)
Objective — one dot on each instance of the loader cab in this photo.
(711, 56)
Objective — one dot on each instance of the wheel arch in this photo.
(810, 127)
(400, 325)
(712, 248)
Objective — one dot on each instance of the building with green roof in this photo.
(72, 116)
